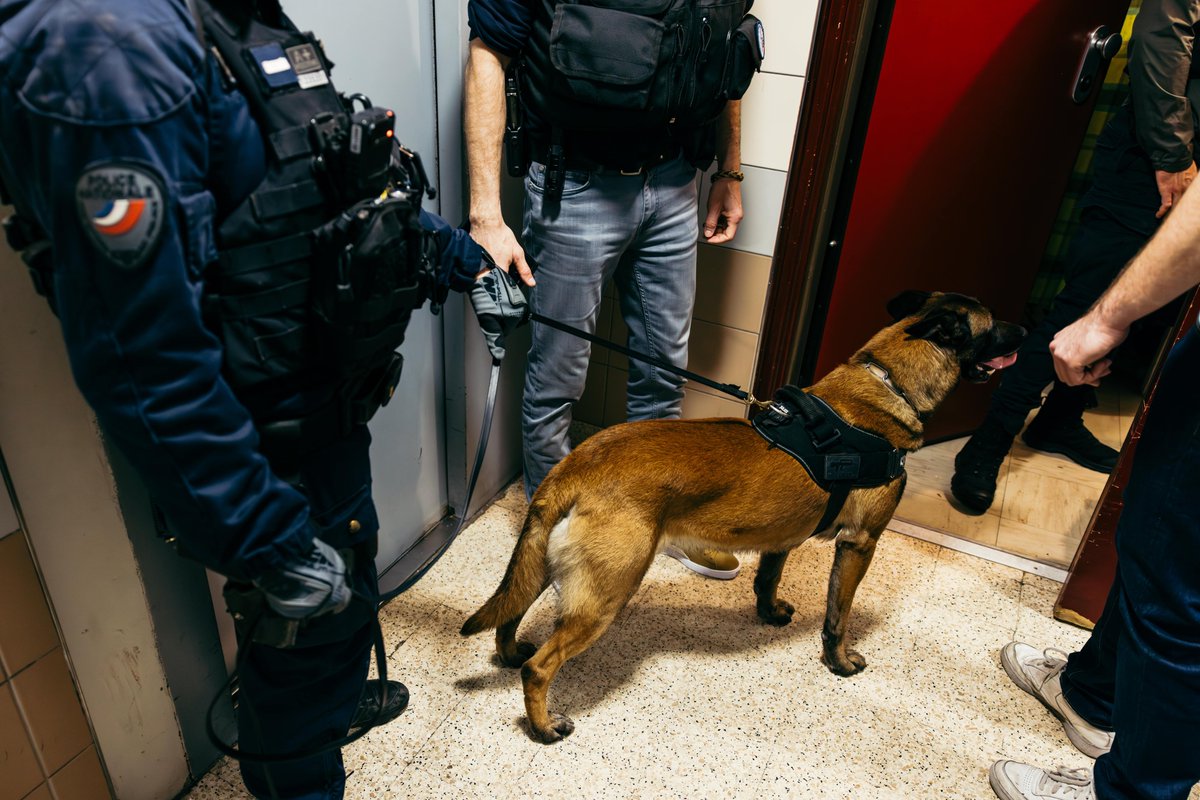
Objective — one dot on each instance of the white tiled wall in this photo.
(732, 278)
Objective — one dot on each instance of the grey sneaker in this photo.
(1037, 672)
(312, 585)
(1012, 780)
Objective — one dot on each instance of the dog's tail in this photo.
(526, 576)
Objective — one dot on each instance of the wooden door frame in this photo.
(843, 68)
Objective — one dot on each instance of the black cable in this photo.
(239, 754)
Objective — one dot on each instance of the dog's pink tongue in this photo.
(1002, 361)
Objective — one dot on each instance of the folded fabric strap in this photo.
(838, 456)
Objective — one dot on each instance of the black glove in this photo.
(500, 307)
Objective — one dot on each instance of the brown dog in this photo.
(601, 515)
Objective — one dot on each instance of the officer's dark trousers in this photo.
(298, 697)
(1101, 247)
(1118, 218)
(1139, 673)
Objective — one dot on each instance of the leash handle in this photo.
(725, 388)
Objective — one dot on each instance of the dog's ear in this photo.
(906, 304)
(945, 327)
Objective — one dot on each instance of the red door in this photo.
(971, 140)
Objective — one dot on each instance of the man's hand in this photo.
(1171, 186)
(1079, 350)
(501, 244)
(724, 211)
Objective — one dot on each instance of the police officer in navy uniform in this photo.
(128, 144)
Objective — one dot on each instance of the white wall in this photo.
(69, 499)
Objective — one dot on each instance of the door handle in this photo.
(1101, 47)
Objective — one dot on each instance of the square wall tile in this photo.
(616, 388)
(18, 764)
(698, 404)
(722, 354)
(788, 25)
(762, 202)
(47, 697)
(590, 408)
(81, 779)
(770, 110)
(40, 793)
(26, 628)
(731, 287)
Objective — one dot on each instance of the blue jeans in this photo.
(639, 230)
(1139, 673)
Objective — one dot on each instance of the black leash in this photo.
(725, 388)
(485, 430)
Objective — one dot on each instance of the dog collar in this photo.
(885, 376)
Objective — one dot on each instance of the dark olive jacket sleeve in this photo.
(1160, 63)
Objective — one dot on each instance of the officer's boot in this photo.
(1058, 428)
(369, 710)
(977, 465)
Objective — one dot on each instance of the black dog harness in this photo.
(838, 456)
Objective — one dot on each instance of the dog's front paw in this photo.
(778, 613)
(844, 664)
(560, 726)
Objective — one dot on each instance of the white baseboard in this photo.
(978, 550)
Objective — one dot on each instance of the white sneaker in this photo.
(1011, 780)
(709, 563)
(1037, 672)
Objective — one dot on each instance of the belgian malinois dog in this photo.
(603, 513)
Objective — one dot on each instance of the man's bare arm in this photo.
(725, 197)
(483, 124)
(1166, 267)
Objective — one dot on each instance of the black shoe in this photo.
(976, 467)
(1073, 440)
(368, 706)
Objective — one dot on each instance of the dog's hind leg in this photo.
(512, 653)
(850, 563)
(573, 634)
(770, 608)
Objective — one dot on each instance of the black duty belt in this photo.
(576, 162)
(838, 456)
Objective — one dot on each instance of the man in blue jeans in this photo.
(1131, 696)
(610, 193)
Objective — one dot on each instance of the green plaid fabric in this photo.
(1049, 281)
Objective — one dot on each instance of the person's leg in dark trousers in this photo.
(294, 698)
(1101, 247)
(1140, 670)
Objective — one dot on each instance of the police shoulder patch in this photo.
(122, 206)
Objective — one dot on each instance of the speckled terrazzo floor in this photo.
(689, 696)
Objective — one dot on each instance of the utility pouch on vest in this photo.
(654, 62)
(368, 281)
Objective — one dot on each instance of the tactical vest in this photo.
(638, 66)
(319, 270)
